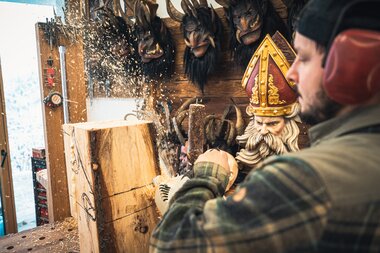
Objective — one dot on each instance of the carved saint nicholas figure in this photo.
(273, 104)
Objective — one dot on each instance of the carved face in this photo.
(148, 47)
(247, 22)
(197, 37)
(202, 35)
(202, 32)
(250, 21)
(155, 44)
(273, 125)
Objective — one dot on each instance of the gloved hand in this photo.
(224, 159)
(165, 191)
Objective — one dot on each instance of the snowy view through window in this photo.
(18, 52)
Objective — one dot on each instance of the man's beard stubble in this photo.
(324, 110)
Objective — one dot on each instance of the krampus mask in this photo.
(111, 47)
(250, 21)
(155, 43)
(294, 8)
(202, 31)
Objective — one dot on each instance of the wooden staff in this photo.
(196, 139)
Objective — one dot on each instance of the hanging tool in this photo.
(3, 157)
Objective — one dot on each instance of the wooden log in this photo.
(196, 131)
(112, 165)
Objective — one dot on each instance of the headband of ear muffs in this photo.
(352, 67)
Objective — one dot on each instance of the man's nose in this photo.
(264, 130)
(291, 75)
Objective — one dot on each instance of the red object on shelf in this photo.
(38, 152)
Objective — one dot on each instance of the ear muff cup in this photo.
(352, 68)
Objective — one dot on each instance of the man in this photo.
(273, 104)
(325, 198)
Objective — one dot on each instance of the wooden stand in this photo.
(110, 167)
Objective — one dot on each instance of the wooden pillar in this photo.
(6, 182)
(58, 200)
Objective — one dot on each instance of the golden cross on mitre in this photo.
(264, 80)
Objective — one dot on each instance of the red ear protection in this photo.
(352, 68)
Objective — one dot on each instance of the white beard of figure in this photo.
(257, 147)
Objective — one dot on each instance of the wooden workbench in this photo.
(53, 238)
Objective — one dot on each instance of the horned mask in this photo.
(250, 21)
(155, 43)
(202, 31)
(110, 45)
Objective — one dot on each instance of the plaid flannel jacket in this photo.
(287, 206)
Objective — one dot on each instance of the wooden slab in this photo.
(111, 168)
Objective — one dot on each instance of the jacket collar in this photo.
(356, 119)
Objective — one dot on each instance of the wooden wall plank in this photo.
(76, 81)
(58, 200)
(58, 204)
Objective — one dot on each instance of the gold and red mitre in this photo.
(270, 93)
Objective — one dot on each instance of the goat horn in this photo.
(190, 6)
(238, 35)
(203, 3)
(185, 105)
(136, 11)
(185, 7)
(129, 5)
(224, 3)
(177, 130)
(239, 121)
(195, 4)
(212, 14)
(211, 39)
(173, 12)
(152, 8)
(281, 9)
(147, 13)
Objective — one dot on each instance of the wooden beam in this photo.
(58, 200)
(7, 196)
(58, 203)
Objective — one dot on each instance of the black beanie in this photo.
(318, 19)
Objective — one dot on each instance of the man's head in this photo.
(307, 73)
(319, 24)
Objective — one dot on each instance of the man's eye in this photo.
(303, 58)
(259, 123)
(272, 123)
